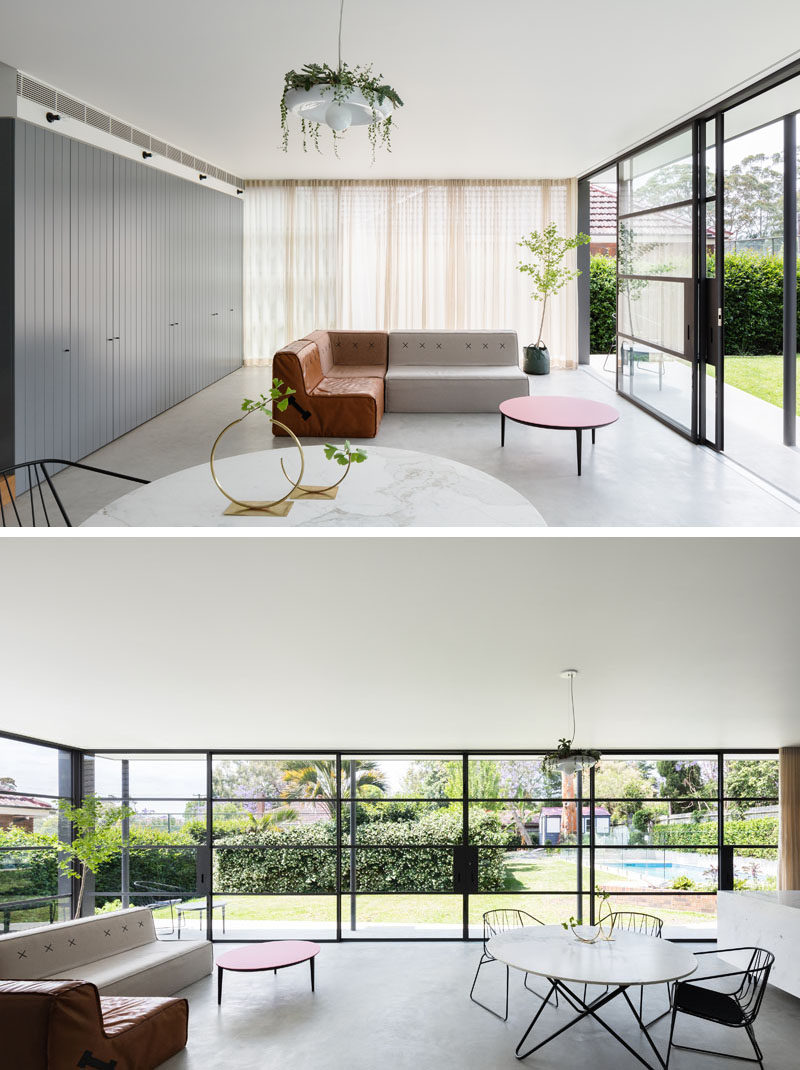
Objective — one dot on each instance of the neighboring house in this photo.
(602, 221)
(19, 811)
(551, 820)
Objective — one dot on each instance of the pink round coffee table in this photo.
(559, 414)
(272, 955)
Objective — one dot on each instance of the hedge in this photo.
(603, 303)
(756, 830)
(35, 873)
(382, 863)
(753, 303)
(289, 869)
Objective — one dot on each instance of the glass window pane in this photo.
(166, 821)
(746, 777)
(633, 822)
(264, 777)
(652, 868)
(512, 778)
(29, 874)
(657, 176)
(152, 870)
(280, 870)
(399, 916)
(711, 160)
(28, 767)
(755, 870)
(149, 776)
(311, 821)
(753, 822)
(388, 823)
(550, 869)
(653, 311)
(400, 869)
(273, 917)
(685, 914)
(659, 243)
(548, 909)
(402, 777)
(28, 814)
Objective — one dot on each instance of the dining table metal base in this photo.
(589, 1010)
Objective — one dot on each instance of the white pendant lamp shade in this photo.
(317, 105)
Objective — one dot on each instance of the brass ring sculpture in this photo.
(315, 492)
(244, 508)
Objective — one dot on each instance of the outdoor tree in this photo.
(748, 781)
(253, 779)
(689, 782)
(754, 197)
(521, 780)
(94, 840)
(427, 778)
(623, 781)
(317, 780)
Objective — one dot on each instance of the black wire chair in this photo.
(14, 513)
(634, 921)
(494, 923)
(737, 1009)
(166, 895)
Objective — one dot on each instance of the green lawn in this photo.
(760, 376)
(523, 875)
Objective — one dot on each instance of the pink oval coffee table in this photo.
(272, 955)
(559, 414)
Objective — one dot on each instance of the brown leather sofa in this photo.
(338, 379)
(59, 1025)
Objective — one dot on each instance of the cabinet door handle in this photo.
(109, 339)
(116, 337)
(66, 351)
(215, 313)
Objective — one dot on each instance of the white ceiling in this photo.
(401, 642)
(524, 88)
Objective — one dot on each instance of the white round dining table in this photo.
(392, 488)
(629, 960)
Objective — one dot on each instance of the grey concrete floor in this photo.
(404, 1006)
(639, 473)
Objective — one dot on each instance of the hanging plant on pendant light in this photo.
(340, 98)
(566, 758)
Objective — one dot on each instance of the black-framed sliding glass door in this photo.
(657, 229)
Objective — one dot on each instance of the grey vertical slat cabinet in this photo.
(124, 278)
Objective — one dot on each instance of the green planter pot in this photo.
(536, 360)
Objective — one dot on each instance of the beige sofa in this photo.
(118, 952)
(453, 371)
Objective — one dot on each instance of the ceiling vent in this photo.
(47, 97)
(41, 94)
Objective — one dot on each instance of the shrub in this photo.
(602, 303)
(683, 883)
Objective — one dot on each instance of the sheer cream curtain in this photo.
(387, 255)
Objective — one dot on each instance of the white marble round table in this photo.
(392, 488)
(630, 959)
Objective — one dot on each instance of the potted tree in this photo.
(548, 274)
(95, 839)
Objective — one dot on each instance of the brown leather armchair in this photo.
(59, 1025)
(338, 379)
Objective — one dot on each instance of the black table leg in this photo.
(502, 429)
(219, 985)
(589, 1010)
(311, 963)
(593, 431)
(579, 443)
